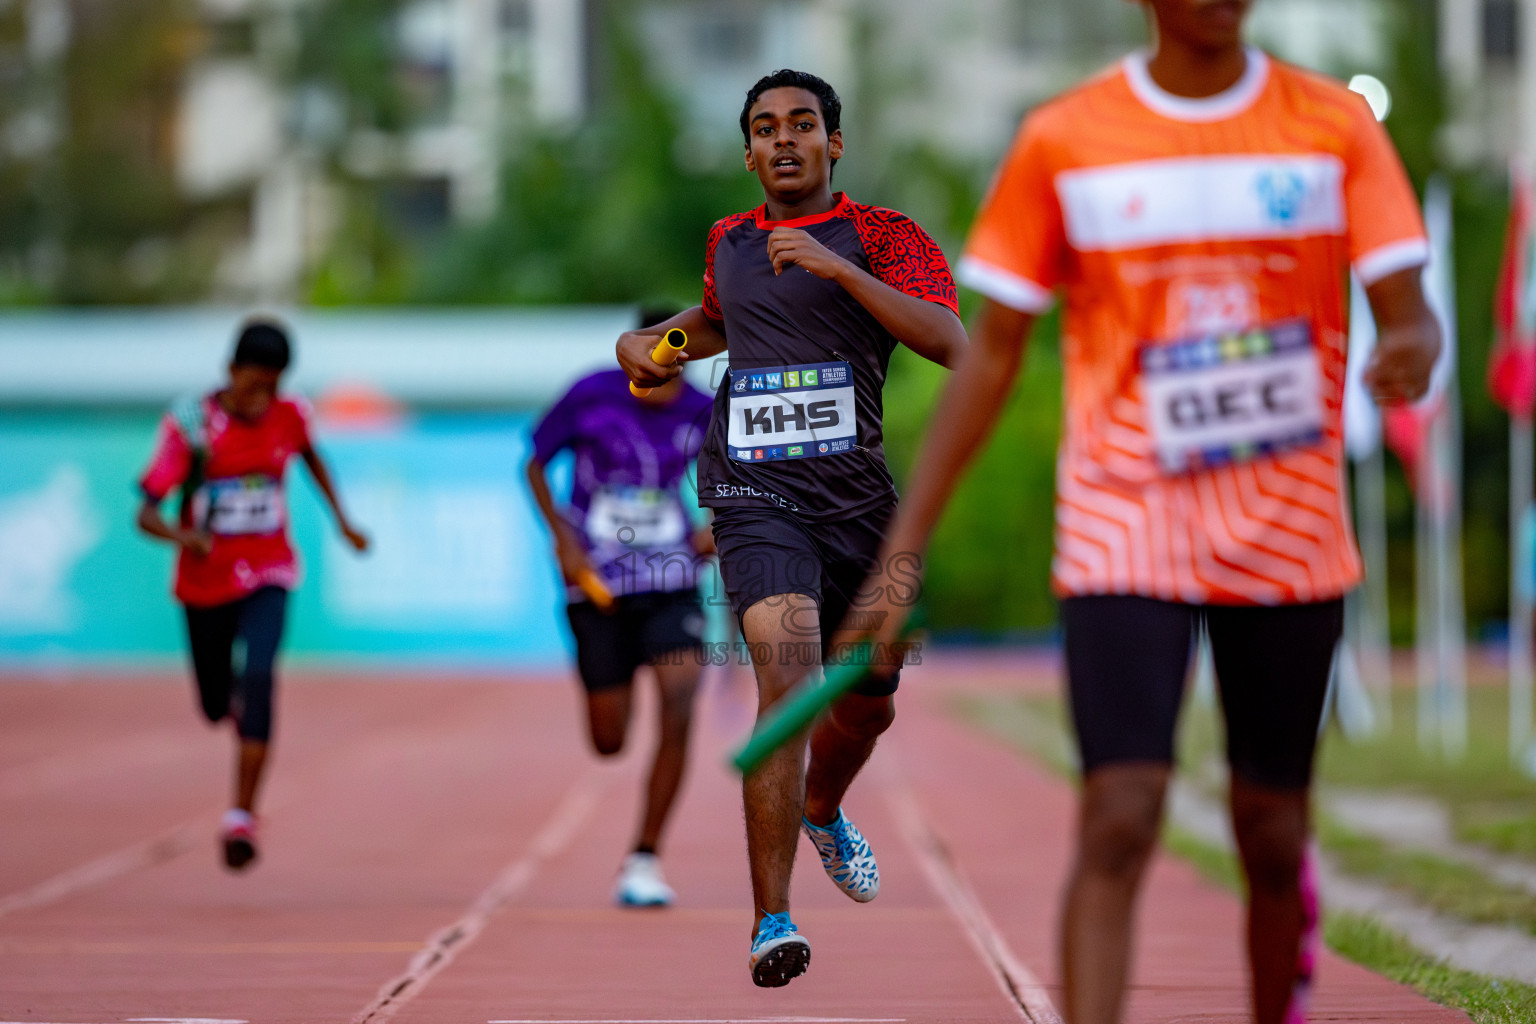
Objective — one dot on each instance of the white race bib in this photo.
(241, 505)
(791, 412)
(1232, 397)
(636, 517)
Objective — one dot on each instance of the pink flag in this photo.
(1512, 364)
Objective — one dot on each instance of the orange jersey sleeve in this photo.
(1017, 245)
(1385, 228)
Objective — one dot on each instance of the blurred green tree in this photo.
(602, 212)
(89, 210)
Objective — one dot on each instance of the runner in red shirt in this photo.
(226, 453)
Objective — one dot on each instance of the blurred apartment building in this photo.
(467, 70)
(270, 113)
(1487, 51)
(480, 71)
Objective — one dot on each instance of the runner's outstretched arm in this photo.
(322, 475)
(568, 550)
(153, 523)
(967, 412)
(1407, 338)
(927, 328)
(705, 338)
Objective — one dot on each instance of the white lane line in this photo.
(1017, 981)
(441, 948)
(155, 850)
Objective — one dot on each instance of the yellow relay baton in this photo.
(596, 590)
(666, 352)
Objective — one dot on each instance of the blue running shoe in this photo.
(846, 855)
(779, 953)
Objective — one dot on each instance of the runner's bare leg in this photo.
(774, 794)
(840, 745)
(1120, 815)
(677, 682)
(249, 766)
(1271, 830)
(608, 714)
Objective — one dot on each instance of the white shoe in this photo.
(640, 883)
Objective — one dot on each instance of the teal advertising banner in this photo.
(460, 575)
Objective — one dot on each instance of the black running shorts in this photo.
(257, 621)
(639, 630)
(768, 551)
(1127, 659)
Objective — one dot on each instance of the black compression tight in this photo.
(257, 621)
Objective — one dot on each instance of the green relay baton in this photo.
(809, 698)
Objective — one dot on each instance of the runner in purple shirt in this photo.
(629, 522)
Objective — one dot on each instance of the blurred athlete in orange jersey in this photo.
(1198, 209)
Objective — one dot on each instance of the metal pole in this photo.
(1442, 481)
(1373, 625)
(1426, 592)
(1451, 644)
(1520, 666)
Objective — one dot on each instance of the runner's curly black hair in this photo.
(785, 78)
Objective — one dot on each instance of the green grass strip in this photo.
(1497, 828)
(1486, 1000)
(1446, 887)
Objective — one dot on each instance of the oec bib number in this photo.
(1232, 397)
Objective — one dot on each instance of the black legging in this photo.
(256, 619)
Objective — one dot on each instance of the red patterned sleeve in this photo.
(904, 256)
(711, 300)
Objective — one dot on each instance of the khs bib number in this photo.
(636, 517)
(1232, 397)
(791, 412)
(240, 506)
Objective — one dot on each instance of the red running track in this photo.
(441, 851)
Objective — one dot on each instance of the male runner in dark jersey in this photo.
(627, 525)
(227, 452)
(1199, 208)
(812, 292)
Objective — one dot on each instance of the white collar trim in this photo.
(1228, 103)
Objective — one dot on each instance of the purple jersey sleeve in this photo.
(698, 408)
(557, 430)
